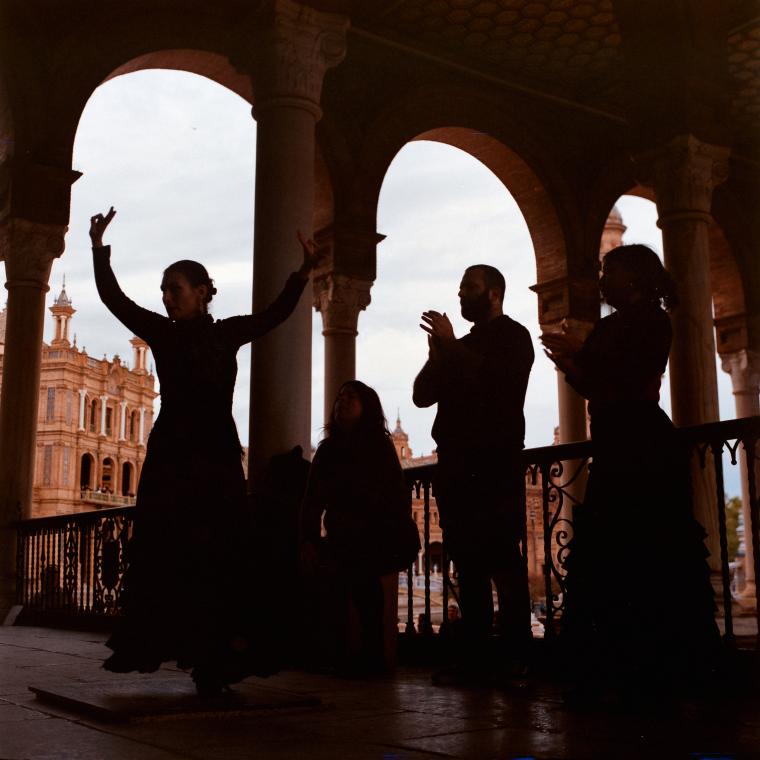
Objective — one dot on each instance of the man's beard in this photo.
(476, 309)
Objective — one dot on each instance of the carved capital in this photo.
(348, 249)
(567, 299)
(292, 54)
(683, 175)
(339, 298)
(28, 249)
(744, 368)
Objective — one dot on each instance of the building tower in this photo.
(139, 354)
(62, 312)
(612, 235)
(401, 440)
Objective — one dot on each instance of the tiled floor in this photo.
(399, 718)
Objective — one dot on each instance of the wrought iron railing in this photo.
(74, 563)
(561, 471)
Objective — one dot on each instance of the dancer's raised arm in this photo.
(247, 328)
(142, 322)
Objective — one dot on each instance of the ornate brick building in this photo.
(94, 417)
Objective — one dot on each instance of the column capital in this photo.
(28, 249)
(684, 173)
(744, 368)
(567, 299)
(293, 52)
(339, 298)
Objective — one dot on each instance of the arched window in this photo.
(127, 477)
(94, 416)
(86, 472)
(107, 475)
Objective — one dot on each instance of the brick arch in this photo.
(6, 126)
(480, 127)
(91, 49)
(6, 143)
(90, 470)
(127, 479)
(734, 212)
(728, 281)
(212, 65)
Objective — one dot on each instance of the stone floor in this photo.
(301, 715)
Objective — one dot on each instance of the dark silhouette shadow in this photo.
(356, 487)
(188, 588)
(639, 618)
(479, 383)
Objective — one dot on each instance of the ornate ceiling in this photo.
(566, 48)
(562, 46)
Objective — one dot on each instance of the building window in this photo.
(69, 407)
(93, 415)
(47, 465)
(109, 420)
(66, 456)
(133, 422)
(50, 412)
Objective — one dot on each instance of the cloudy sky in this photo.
(174, 154)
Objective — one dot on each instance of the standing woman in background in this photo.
(636, 521)
(357, 483)
(187, 591)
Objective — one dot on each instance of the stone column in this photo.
(28, 249)
(141, 438)
(82, 397)
(744, 368)
(290, 59)
(573, 425)
(339, 299)
(683, 175)
(123, 420)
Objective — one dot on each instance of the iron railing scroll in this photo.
(75, 563)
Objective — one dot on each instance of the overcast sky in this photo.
(174, 153)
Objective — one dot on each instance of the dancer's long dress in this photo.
(189, 593)
(639, 600)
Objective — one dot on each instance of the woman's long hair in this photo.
(372, 423)
(648, 274)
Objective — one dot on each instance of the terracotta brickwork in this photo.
(93, 421)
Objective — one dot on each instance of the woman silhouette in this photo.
(357, 484)
(635, 527)
(186, 593)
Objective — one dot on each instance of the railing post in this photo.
(549, 624)
(409, 600)
(426, 537)
(716, 445)
(750, 447)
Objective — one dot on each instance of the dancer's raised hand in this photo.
(98, 224)
(311, 255)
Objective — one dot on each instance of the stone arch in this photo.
(86, 471)
(108, 473)
(436, 557)
(738, 282)
(728, 282)
(127, 483)
(478, 126)
(6, 144)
